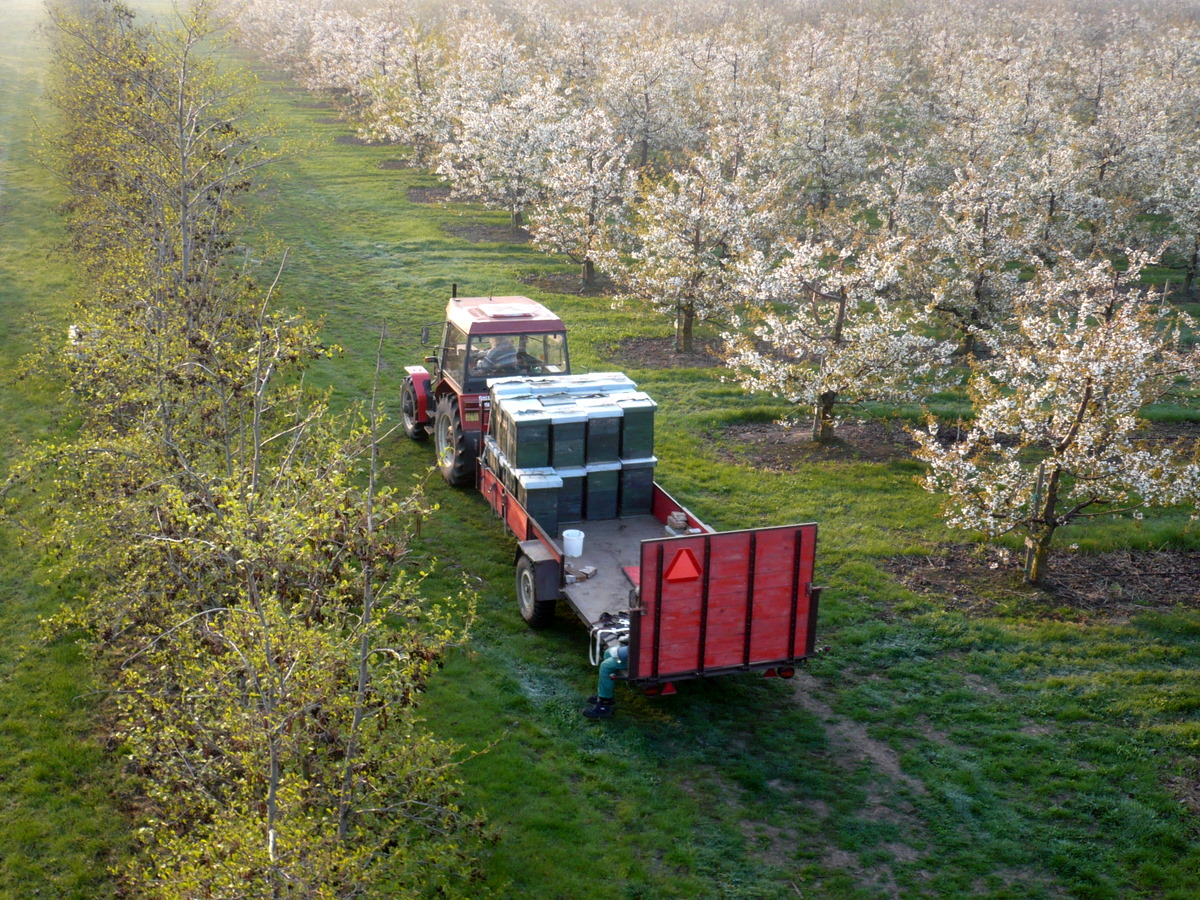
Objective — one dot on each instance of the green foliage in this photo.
(62, 825)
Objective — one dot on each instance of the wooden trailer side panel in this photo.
(713, 603)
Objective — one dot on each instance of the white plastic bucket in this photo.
(573, 542)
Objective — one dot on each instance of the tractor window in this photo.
(497, 355)
(547, 352)
(455, 359)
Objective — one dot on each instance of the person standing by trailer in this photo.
(603, 704)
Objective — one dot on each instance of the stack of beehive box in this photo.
(573, 447)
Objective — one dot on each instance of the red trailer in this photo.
(690, 604)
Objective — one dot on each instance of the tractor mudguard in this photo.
(419, 378)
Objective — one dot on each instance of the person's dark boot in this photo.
(602, 708)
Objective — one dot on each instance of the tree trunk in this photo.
(1042, 528)
(1038, 549)
(517, 219)
(1189, 278)
(822, 425)
(589, 273)
(685, 323)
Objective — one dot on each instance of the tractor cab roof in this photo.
(501, 315)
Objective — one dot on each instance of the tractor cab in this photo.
(483, 338)
(494, 337)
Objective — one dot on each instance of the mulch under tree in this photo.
(985, 579)
(660, 353)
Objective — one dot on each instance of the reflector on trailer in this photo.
(683, 567)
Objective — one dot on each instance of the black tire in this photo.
(455, 450)
(536, 613)
(408, 413)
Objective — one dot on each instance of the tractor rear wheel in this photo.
(408, 413)
(455, 456)
(536, 613)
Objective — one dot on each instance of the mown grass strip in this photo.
(61, 825)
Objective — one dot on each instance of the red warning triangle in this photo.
(683, 567)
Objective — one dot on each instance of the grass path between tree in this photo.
(61, 827)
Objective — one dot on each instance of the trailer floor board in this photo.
(610, 545)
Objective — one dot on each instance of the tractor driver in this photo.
(501, 355)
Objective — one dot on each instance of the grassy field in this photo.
(1037, 753)
(60, 823)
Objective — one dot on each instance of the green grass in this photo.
(928, 754)
(61, 826)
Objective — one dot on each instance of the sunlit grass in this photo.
(61, 827)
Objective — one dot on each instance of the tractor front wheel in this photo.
(536, 613)
(455, 459)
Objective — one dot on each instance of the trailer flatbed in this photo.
(612, 546)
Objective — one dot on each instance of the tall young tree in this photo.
(588, 187)
(239, 562)
(405, 105)
(977, 234)
(500, 154)
(1056, 435)
(830, 328)
(160, 149)
(829, 101)
(646, 91)
(689, 233)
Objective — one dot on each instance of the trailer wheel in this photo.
(536, 613)
(455, 460)
(408, 413)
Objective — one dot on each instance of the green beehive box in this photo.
(493, 458)
(537, 491)
(603, 490)
(498, 426)
(526, 434)
(603, 430)
(637, 486)
(568, 435)
(637, 425)
(571, 495)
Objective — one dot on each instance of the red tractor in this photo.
(483, 337)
